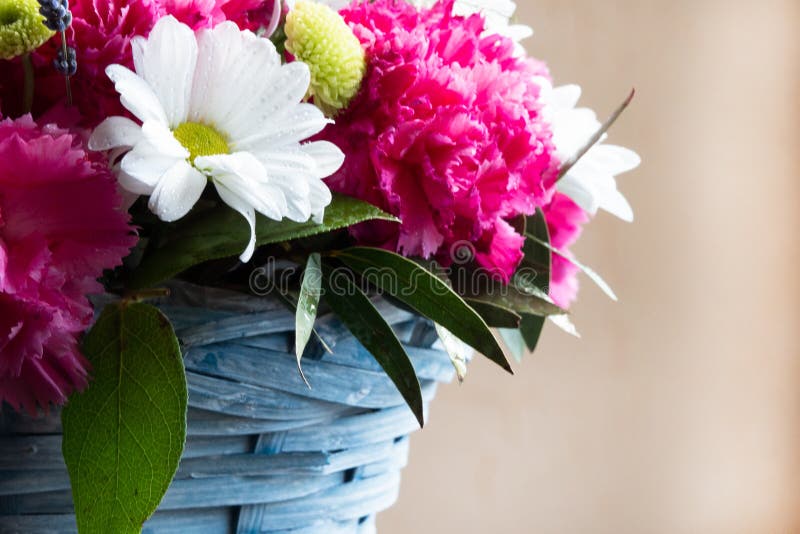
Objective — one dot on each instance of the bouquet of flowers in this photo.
(408, 149)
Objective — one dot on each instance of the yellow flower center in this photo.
(201, 140)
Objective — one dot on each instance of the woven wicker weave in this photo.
(265, 454)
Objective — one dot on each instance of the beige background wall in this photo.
(679, 410)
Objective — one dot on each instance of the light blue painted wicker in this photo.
(265, 454)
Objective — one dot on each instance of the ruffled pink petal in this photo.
(60, 228)
(565, 220)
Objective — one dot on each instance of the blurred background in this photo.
(679, 409)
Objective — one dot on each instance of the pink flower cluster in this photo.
(447, 133)
(564, 221)
(60, 227)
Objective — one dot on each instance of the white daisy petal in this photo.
(302, 122)
(136, 95)
(146, 166)
(155, 153)
(566, 96)
(115, 132)
(582, 193)
(616, 204)
(232, 71)
(297, 194)
(244, 175)
(328, 157)
(161, 139)
(242, 183)
(268, 98)
(319, 197)
(616, 159)
(286, 162)
(276, 97)
(166, 60)
(236, 202)
(134, 185)
(177, 191)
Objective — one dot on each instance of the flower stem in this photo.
(66, 77)
(147, 294)
(565, 168)
(27, 99)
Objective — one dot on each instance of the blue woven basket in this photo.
(265, 454)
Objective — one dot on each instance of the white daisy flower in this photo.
(591, 181)
(218, 106)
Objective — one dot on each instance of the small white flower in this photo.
(591, 181)
(218, 107)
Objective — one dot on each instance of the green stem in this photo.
(147, 294)
(567, 166)
(66, 78)
(27, 99)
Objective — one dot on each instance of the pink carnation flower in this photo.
(247, 14)
(564, 220)
(60, 227)
(446, 133)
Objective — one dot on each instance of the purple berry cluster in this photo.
(66, 62)
(56, 13)
(57, 17)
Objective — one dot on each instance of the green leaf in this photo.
(494, 315)
(426, 293)
(531, 326)
(512, 298)
(124, 436)
(288, 299)
(593, 276)
(537, 257)
(357, 312)
(307, 305)
(221, 232)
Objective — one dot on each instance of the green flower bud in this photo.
(319, 37)
(21, 28)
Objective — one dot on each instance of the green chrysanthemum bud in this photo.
(319, 37)
(21, 28)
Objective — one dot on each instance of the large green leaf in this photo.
(124, 436)
(512, 297)
(426, 293)
(357, 312)
(221, 232)
(307, 305)
(531, 326)
(494, 315)
(534, 273)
